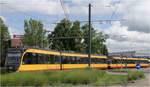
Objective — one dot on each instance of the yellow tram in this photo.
(118, 62)
(31, 59)
(40, 59)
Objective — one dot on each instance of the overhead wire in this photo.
(64, 9)
(115, 11)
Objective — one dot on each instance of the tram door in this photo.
(53, 62)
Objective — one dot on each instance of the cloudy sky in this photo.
(131, 33)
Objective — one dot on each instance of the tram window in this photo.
(98, 61)
(27, 59)
(143, 62)
(57, 59)
(35, 58)
(68, 60)
(114, 61)
(74, 60)
(83, 61)
(52, 59)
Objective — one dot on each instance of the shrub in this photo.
(134, 75)
(111, 79)
(84, 76)
(2, 70)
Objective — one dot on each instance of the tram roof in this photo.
(56, 52)
(130, 58)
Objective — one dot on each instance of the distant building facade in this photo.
(16, 41)
(137, 53)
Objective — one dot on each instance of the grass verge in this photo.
(135, 75)
(2, 70)
(71, 77)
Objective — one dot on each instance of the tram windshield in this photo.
(13, 57)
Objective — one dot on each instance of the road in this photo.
(138, 83)
(142, 83)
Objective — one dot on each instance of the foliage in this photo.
(2, 70)
(111, 79)
(119, 70)
(72, 77)
(74, 37)
(65, 29)
(134, 75)
(34, 33)
(4, 41)
(51, 77)
(97, 40)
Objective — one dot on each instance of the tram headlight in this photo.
(10, 67)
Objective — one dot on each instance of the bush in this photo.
(134, 75)
(84, 76)
(2, 70)
(111, 79)
(42, 78)
(24, 79)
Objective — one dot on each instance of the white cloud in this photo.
(133, 33)
(42, 6)
(115, 46)
(4, 19)
(13, 31)
(136, 12)
(98, 7)
(53, 7)
(123, 39)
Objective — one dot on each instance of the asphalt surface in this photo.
(138, 83)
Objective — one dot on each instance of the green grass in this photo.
(111, 79)
(119, 70)
(135, 75)
(65, 78)
(51, 77)
(2, 70)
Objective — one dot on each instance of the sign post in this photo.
(138, 67)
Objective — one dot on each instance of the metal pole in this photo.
(60, 61)
(89, 36)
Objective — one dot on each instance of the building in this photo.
(16, 41)
(137, 53)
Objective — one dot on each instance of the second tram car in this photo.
(118, 62)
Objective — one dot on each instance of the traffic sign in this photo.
(138, 66)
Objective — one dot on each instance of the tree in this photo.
(62, 30)
(77, 34)
(4, 41)
(97, 41)
(34, 33)
(59, 38)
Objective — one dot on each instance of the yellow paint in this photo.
(73, 66)
(104, 57)
(116, 58)
(143, 59)
(129, 58)
(131, 65)
(99, 65)
(117, 65)
(77, 55)
(30, 67)
(145, 65)
(82, 55)
(42, 52)
(33, 67)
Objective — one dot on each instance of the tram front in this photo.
(13, 60)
